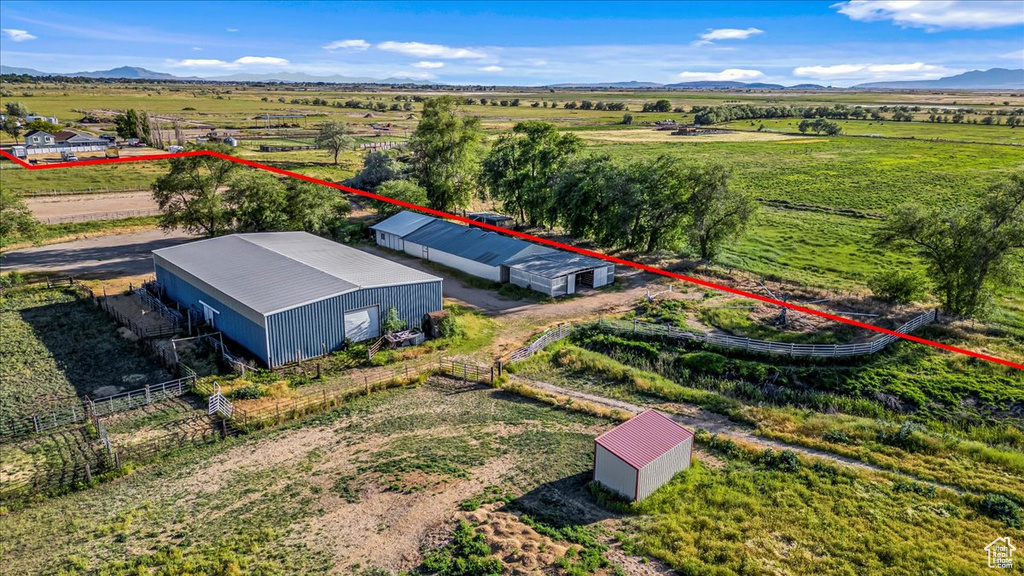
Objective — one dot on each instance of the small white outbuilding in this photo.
(640, 455)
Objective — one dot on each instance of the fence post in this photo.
(35, 421)
(492, 375)
(88, 474)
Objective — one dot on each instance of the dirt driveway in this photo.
(102, 257)
(82, 207)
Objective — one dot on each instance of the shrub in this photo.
(785, 461)
(908, 437)
(449, 327)
(894, 285)
(467, 555)
(248, 392)
(704, 362)
(836, 437)
(1001, 508)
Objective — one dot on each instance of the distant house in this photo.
(72, 138)
(642, 454)
(40, 138)
(50, 119)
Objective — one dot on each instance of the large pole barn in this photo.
(288, 296)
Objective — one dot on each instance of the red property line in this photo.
(531, 238)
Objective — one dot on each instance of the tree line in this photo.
(541, 176)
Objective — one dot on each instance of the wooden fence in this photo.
(80, 191)
(548, 337)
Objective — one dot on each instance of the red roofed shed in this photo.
(640, 455)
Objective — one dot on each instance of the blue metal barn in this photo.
(287, 296)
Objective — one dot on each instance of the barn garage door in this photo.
(362, 324)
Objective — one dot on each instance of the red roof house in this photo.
(640, 455)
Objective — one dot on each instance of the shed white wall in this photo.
(604, 276)
(658, 473)
(472, 267)
(388, 240)
(551, 287)
(613, 473)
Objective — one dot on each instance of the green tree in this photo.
(403, 190)
(40, 124)
(969, 251)
(717, 213)
(11, 127)
(258, 201)
(627, 118)
(189, 195)
(16, 109)
(519, 168)
(445, 147)
(582, 196)
(132, 124)
(334, 136)
(393, 321)
(315, 208)
(16, 218)
(378, 168)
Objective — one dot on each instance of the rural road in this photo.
(102, 257)
(693, 417)
(83, 207)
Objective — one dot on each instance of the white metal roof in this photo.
(552, 263)
(273, 271)
(403, 223)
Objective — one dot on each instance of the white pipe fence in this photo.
(727, 340)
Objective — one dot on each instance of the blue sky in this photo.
(837, 43)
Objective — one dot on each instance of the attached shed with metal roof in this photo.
(467, 248)
(557, 273)
(391, 232)
(642, 454)
(288, 296)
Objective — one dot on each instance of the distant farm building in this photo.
(288, 296)
(492, 219)
(49, 119)
(39, 138)
(642, 454)
(491, 255)
(63, 142)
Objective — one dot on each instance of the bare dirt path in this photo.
(81, 207)
(694, 417)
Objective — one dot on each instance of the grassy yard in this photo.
(56, 344)
(916, 130)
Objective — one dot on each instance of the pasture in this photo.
(56, 345)
(371, 484)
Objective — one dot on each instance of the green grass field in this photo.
(889, 129)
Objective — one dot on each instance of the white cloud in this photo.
(907, 71)
(197, 49)
(537, 62)
(422, 50)
(936, 15)
(713, 34)
(426, 64)
(231, 29)
(224, 65)
(491, 69)
(354, 44)
(1015, 55)
(18, 35)
(728, 75)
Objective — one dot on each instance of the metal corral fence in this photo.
(104, 190)
(767, 347)
(80, 411)
(117, 215)
(318, 400)
(552, 335)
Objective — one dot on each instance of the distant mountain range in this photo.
(992, 79)
(136, 73)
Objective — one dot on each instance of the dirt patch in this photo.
(666, 136)
(82, 207)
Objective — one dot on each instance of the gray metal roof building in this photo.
(477, 244)
(492, 255)
(291, 295)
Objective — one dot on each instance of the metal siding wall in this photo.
(660, 472)
(235, 326)
(613, 473)
(473, 267)
(307, 329)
